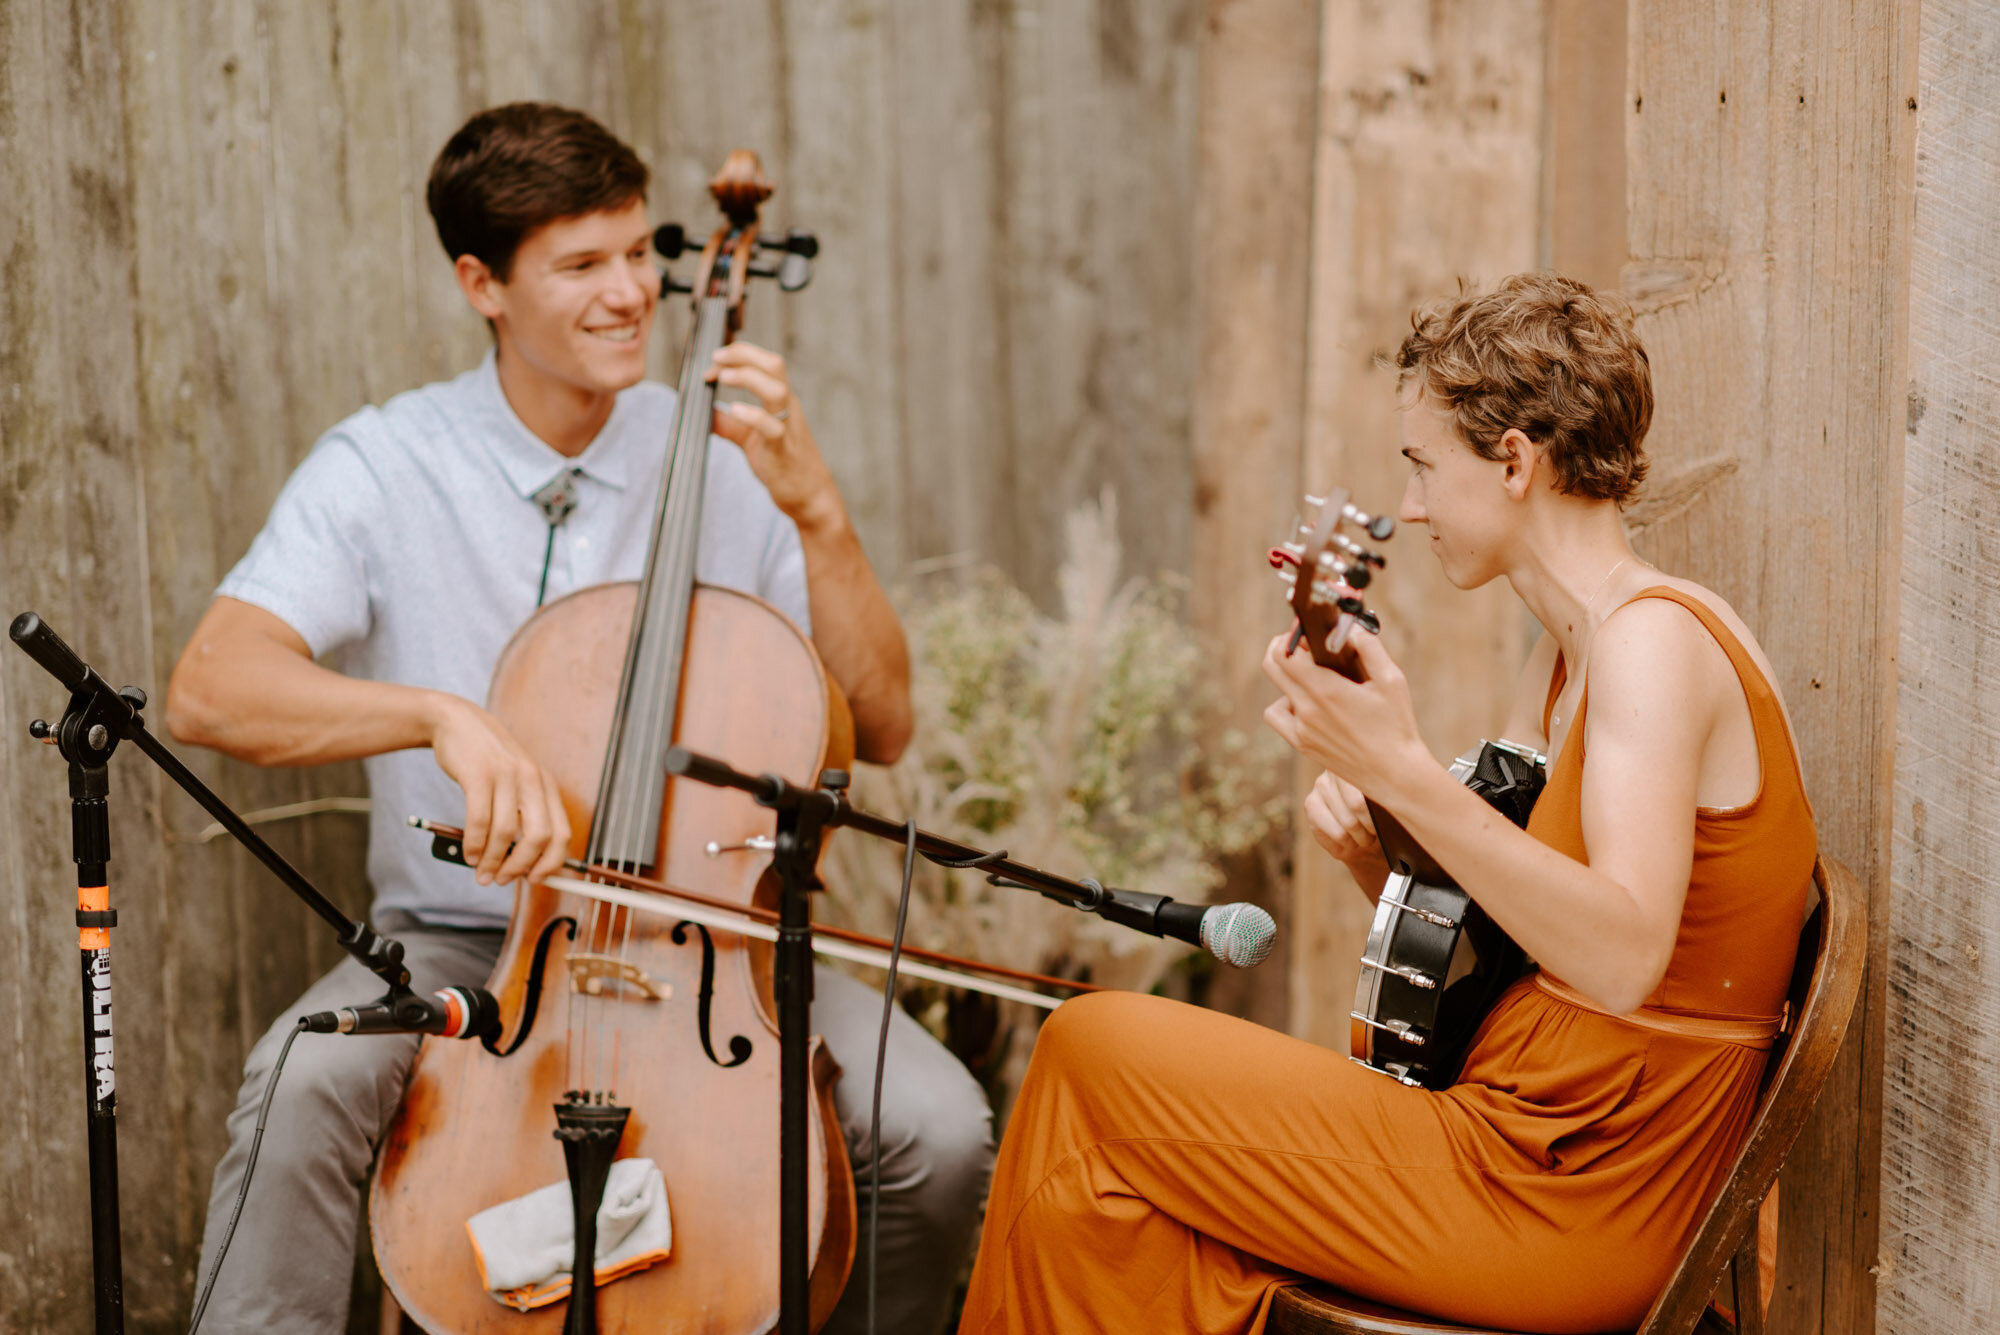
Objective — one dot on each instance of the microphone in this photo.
(1236, 934)
(452, 1012)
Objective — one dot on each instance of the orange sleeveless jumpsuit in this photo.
(1167, 1167)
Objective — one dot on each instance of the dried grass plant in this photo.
(1075, 743)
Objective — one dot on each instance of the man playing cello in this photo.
(407, 548)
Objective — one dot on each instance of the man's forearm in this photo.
(858, 636)
(260, 702)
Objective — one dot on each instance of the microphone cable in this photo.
(881, 1055)
(250, 1167)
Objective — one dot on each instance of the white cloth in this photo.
(405, 548)
(527, 1245)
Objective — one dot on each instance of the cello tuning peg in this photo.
(794, 271)
(670, 239)
(798, 242)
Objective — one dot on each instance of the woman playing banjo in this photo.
(1167, 1167)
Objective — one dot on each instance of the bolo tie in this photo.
(556, 499)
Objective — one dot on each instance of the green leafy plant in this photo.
(1080, 743)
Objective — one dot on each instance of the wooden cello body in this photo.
(671, 1020)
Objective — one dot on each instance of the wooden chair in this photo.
(1825, 983)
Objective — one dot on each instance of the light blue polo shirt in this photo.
(406, 548)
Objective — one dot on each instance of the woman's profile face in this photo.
(1460, 497)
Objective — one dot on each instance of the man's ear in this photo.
(481, 288)
(1521, 459)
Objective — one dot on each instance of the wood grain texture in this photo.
(1253, 239)
(216, 246)
(1768, 151)
(1941, 1158)
(1429, 170)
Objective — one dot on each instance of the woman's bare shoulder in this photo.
(1723, 611)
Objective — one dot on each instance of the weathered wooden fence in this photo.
(1940, 1261)
(1068, 244)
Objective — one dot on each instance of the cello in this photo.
(658, 1039)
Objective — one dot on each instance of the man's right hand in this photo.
(247, 686)
(515, 824)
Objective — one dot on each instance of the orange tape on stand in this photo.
(93, 899)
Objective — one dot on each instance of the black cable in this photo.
(881, 1055)
(256, 1142)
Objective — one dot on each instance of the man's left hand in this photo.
(773, 434)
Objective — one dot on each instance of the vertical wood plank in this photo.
(1583, 232)
(1096, 108)
(44, 1271)
(1940, 1263)
(1768, 233)
(1252, 241)
(840, 182)
(1429, 171)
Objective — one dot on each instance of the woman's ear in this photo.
(1521, 459)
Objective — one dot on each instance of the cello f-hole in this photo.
(739, 1046)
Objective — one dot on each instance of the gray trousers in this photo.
(291, 1262)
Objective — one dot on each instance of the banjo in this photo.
(1434, 963)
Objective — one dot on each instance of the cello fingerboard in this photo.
(626, 832)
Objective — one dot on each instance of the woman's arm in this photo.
(1607, 927)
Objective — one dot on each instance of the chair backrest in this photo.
(1833, 950)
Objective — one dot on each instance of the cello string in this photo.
(679, 539)
(672, 582)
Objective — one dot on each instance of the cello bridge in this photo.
(593, 975)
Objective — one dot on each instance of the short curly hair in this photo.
(1547, 355)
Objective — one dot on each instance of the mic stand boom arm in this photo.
(828, 808)
(97, 720)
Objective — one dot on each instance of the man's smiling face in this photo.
(577, 306)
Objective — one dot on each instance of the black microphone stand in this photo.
(804, 817)
(97, 720)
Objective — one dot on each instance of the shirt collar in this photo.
(525, 459)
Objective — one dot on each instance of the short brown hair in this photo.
(514, 168)
(1545, 354)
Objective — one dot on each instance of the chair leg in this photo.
(1746, 1285)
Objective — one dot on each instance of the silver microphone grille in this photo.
(1238, 934)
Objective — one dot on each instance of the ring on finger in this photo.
(781, 413)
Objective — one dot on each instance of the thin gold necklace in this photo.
(1590, 632)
